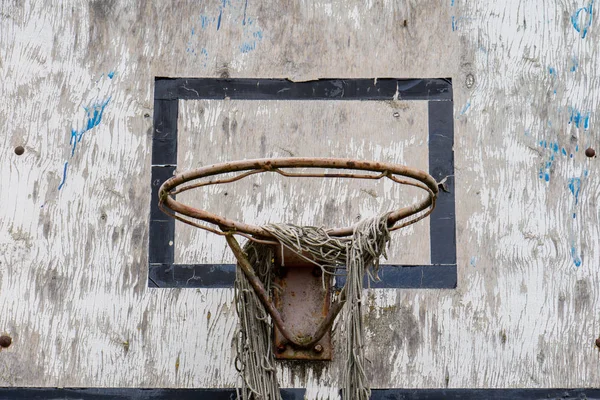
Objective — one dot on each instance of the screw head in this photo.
(19, 150)
(590, 152)
(281, 348)
(5, 341)
(318, 348)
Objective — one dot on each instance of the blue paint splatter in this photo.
(575, 256)
(554, 152)
(579, 119)
(252, 33)
(473, 261)
(205, 21)
(204, 54)
(224, 4)
(94, 117)
(575, 64)
(219, 20)
(64, 176)
(451, 3)
(586, 19)
(575, 187)
(247, 47)
(551, 71)
(465, 108)
(453, 24)
(252, 36)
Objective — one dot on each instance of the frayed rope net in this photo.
(357, 254)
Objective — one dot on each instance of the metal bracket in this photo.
(303, 301)
(318, 302)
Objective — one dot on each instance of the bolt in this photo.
(590, 152)
(146, 115)
(281, 348)
(5, 341)
(19, 150)
(598, 342)
(396, 114)
(318, 348)
(469, 81)
(317, 272)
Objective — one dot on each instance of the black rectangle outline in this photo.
(440, 274)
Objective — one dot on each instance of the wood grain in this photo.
(73, 260)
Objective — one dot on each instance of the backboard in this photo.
(103, 296)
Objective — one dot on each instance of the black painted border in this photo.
(442, 273)
(291, 394)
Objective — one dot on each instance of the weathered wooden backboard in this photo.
(495, 295)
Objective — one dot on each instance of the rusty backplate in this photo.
(303, 303)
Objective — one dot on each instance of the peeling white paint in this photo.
(73, 262)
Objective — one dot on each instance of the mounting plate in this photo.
(303, 301)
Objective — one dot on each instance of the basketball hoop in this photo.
(396, 219)
(397, 173)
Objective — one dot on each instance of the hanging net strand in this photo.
(360, 253)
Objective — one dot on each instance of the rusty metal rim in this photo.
(169, 188)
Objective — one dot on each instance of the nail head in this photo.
(590, 152)
(5, 341)
(19, 150)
